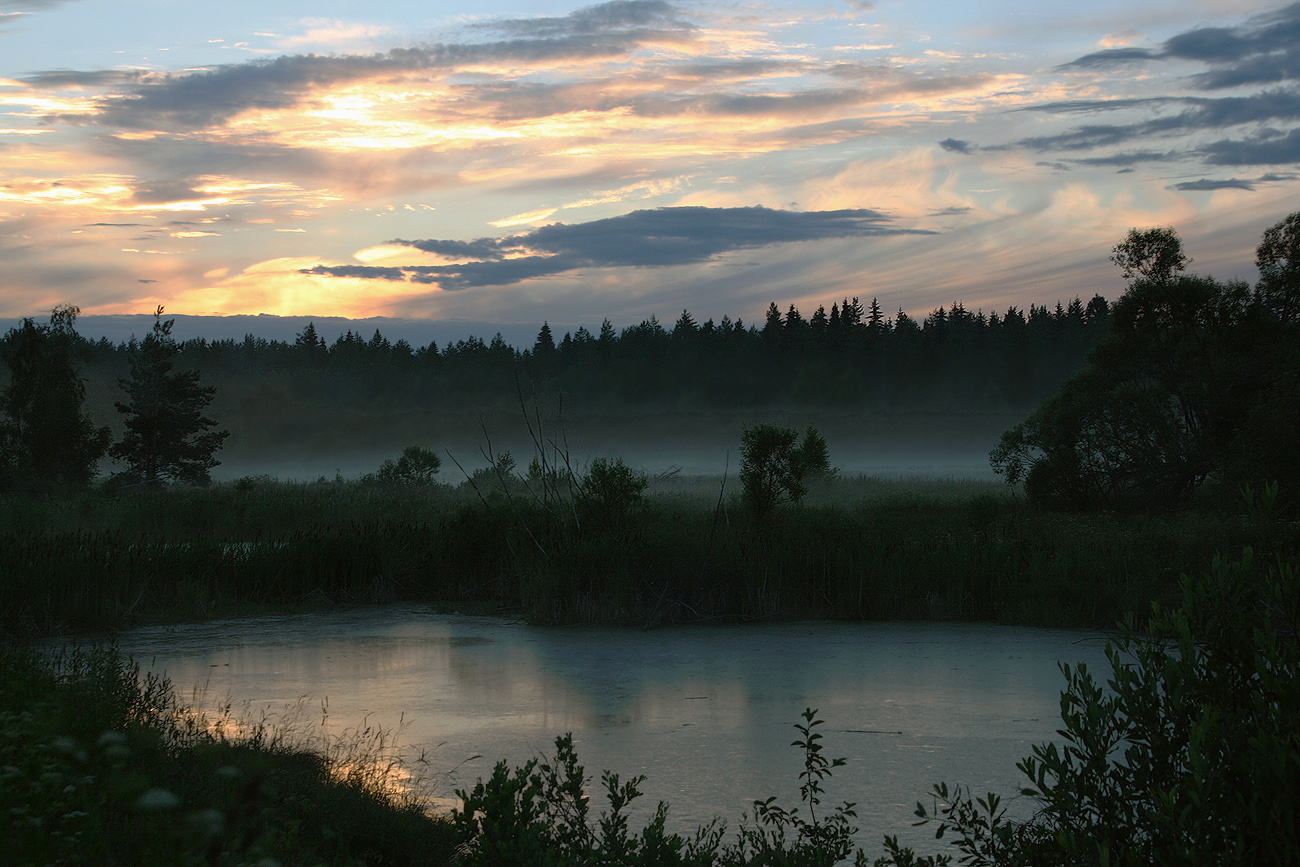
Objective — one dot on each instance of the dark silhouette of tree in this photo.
(44, 435)
(1153, 255)
(544, 346)
(775, 467)
(1165, 397)
(416, 467)
(167, 436)
(1278, 260)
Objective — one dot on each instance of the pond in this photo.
(706, 713)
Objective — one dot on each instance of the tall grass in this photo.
(101, 766)
(858, 549)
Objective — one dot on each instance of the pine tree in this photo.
(44, 435)
(545, 343)
(167, 436)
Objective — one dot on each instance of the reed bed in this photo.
(856, 549)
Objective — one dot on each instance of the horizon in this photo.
(582, 162)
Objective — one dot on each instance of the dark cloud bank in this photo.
(647, 238)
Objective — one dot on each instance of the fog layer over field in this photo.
(683, 443)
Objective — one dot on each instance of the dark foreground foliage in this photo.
(1188, 755)
(100, 767)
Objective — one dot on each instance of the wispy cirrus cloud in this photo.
(1166, 125)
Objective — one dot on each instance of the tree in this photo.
(775, 467)
(44, 435)
(167, 436)
(544, 346)
(610, 495)
(1155, 255)
(416, 466)
(1164, 396)
(1278, 260)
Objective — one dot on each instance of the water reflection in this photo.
(705, 712)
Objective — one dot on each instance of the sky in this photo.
(515, 161)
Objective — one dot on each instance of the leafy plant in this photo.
(784, 837)
(1189, 754)
(538, 815)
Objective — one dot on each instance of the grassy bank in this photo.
(101, 767)
(856, 549)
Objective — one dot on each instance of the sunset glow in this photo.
(251, 161)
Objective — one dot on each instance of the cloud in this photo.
(1203, 114)
(956, 145)
(640, 239)
(1111, 57)
(1266, 150)
(1131, 158)
(207, 98)
(1264, 50)
(1208, 185)
(167, 191)
(603, 17)
(58, 79)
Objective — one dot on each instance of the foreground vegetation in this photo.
(1188, 755)
(852, 549)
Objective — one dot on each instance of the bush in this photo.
(1190, 754)
(416, 466)
(610, 494)
(775, 470)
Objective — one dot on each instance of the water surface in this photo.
(705, 712)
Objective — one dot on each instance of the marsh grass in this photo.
(858, 548)
(103, 766)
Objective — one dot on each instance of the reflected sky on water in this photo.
(705, 712)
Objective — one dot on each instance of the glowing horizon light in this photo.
(1004, 150)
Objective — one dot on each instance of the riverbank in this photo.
(861, 548)
(101, 766)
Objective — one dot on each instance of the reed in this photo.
(857, 549)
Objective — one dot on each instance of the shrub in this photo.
(610, 494)
(775, 467)
(416, 466)
(1190, 754)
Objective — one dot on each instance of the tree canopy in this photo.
(1188, 384)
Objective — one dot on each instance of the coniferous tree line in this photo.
(853, 356)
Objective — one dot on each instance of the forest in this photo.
(852, 357)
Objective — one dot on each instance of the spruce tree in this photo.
(44, 435)
(167, 435)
